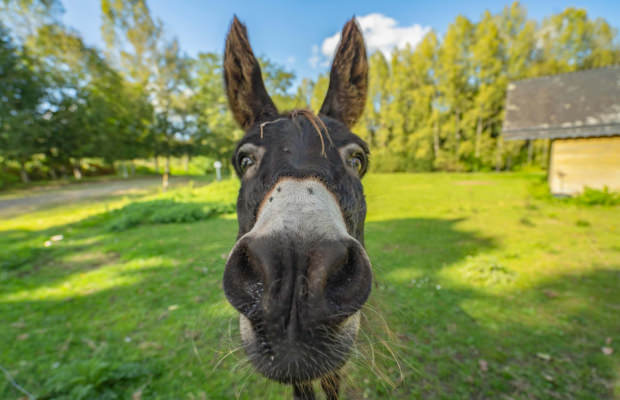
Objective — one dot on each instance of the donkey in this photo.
(298, 274)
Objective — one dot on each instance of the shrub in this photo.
(164, 211)
(590, 197)
(603, 197)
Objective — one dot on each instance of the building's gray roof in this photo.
(577, 104)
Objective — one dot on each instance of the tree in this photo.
(136, 42)
(89, 108)
(217, 132)
(490, 80)
(455, 91)
(22, 90)
(570, 41)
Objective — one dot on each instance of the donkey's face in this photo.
(298, 274)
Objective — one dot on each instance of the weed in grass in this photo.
(487, 271)
(526, 222)
(97, 380)
(582, 223)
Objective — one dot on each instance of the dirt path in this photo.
(27, 201)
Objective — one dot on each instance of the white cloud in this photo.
(381, 33)
(316, 57)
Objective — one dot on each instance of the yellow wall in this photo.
(592, 162)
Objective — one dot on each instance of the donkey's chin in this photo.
(318, 353)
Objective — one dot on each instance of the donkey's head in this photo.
(298, 274)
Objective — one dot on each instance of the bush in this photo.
(164, 211)
(8, 178)
(593, 197)
(97, 169)
(589, 197)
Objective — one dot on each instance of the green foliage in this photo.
(589, 197)
(164, 211)
(187, 204)
(592, 197)
(21, 91)
(7, 179)
(95, 379)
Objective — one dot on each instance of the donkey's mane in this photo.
(317, 123)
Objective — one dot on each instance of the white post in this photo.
(218, 170)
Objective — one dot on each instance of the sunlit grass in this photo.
(482, 290)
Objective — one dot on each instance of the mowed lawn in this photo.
(482, 290)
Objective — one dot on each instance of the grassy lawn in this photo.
(482, 290)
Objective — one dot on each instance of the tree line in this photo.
(438, 106)
(63, 101)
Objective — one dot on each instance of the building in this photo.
(580, 113)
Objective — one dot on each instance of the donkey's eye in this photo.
(356, 161)
(245, 162)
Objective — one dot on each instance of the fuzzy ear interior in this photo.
(247, 96)
(348, 79)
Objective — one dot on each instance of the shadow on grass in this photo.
(156, 301)
(479, 341)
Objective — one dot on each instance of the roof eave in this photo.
(562, 132)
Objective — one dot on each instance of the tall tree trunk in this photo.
(457, 134)
(478, 137)
(53, 173)
(165, 177)
(436, 139)
(23, 173)
(498, 156)
(133, 168)
(77, 172)
(186, 163)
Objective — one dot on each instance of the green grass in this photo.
(482, 290)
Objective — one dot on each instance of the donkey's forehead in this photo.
(289, 130)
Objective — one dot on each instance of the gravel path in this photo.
(38, 198)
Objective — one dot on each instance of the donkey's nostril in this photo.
(342, 277)
(244, 278)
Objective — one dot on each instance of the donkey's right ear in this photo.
(247, 96)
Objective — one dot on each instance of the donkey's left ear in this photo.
(247, 96)
(348, 79)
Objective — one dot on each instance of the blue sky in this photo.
(300, 34)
